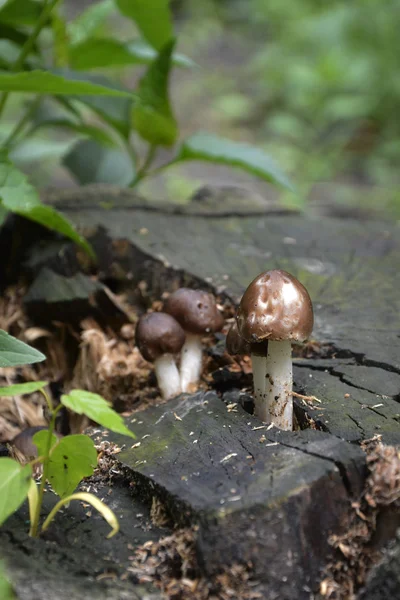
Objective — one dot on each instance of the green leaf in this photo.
(21, 12)
(87, 24)
(73, 458)
(14, 485)
(97, 409)
(8, 32)
(20, 197)
(91, 131)
(40, 440)
(60, 39)
(152, 114)
(145, 53)
(153, 18)
(106, 52)
(116, 111)
(22, 388)
(6, 591)
(42, 82)
(91, 162)
(212, 148)
(14, 353)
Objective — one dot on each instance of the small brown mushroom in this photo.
(197, 313)
(275, 307)
(235, 344)
(158, 337)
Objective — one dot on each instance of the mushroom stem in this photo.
(167, 375)
(277, 407)
(191, 360)
(258, 365)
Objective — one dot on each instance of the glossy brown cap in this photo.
(237, 346)
(275, 306)
(195, 310)
(157, 334)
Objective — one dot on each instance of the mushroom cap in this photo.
(157, 334)
(275, 306)
(195, 310)
(237, 346)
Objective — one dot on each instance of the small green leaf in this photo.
(73, 458)
(14, 353)
(22, 388)
(95, 53)
(20, 197)
(152, 114)
(21, 12)
(6, 591)
(60, 39)
(14, 485)
(91, 131)
(153, 18)
(211, 148)
(91, 162)
(145, 53)
(100, 53)
(40, 440)
(116, 111)
(87, 24)
(42, 82)
(97, 409)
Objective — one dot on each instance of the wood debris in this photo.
(358, 550)
(171, 565)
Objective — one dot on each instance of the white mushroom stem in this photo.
(168, 377)
(258, 365)
(277, 404)
(191, 360)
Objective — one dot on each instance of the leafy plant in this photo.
(6, 591)
(117, 131)
(65, 461)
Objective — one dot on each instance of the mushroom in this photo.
(238, 346)
(275, 307)
(158, 337)
(197, 312)
(235, 344)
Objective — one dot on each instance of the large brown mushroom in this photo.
(158, 337)
(197, 313)
(275, 307)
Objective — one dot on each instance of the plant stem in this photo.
(46, 462)
(22, 122)
(27, 47)
(142, 172)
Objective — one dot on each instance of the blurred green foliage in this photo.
(325, 85)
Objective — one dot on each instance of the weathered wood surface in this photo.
(260, 496)
(383, 582)
(350, 267)
(294, 493)
(81, 563)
